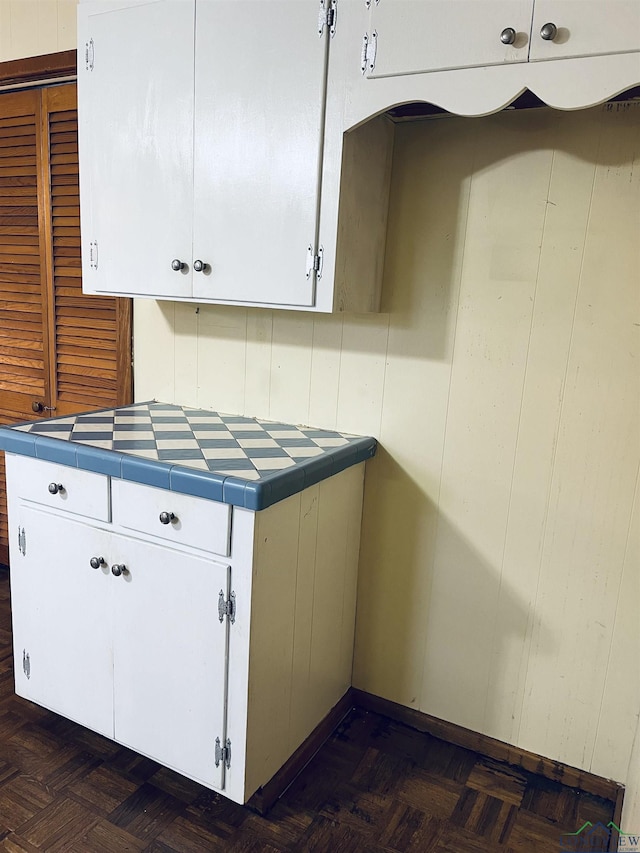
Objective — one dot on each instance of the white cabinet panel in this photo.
(136, 148)
(170, 657)
(197, 522)
(126, 655)
(258, 124)
(585, 28)
(61, 610)
(70, 489)
(412, 36)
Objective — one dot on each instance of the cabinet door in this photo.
(585, 28)
(412, 36)
(61, 619)
(136, 147)
(260, 70)
(170, 654)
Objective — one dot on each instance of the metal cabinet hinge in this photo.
(227, 607)
(22, 541)
(223, 753)
(89, 55)
(369, 50)
(327, 16)
(314, 262)
(93, 254)
(26, 663)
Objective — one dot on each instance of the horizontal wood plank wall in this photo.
(497, 587)
(36, 27)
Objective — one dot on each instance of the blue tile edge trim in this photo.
(14, 441)
(200, 484)
(56, 450)
(150, 472)
(250, 494)
(100, 461)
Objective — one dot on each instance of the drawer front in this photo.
(80, 492)
(189, 521)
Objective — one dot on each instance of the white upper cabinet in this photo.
(202, 157)
(228, 152)
(412, 36)
(573, 28)
(416, 36)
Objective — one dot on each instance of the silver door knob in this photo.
(508, 35)
(200, 266)
(548, 32)
(119, 569)
(177, 265)
(96, 562)
(167, 517)
(54, 488)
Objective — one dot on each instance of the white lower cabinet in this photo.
(121, 648)
(217, 665)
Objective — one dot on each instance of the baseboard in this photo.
(572, 777)
(492, 748)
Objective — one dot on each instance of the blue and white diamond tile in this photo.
(236, 447)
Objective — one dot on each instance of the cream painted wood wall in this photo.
(499, 575)
(34, 27)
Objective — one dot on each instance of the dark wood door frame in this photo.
(38, 69)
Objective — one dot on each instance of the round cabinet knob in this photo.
(119, 569)
(54, 488)
(548, 32)
(37, 406)
(508, 35)
(177, 265)
(96, 562)
(167, 517)
(200, 266)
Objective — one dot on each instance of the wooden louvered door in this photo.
(60, 351)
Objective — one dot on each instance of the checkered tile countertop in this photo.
(192, 450)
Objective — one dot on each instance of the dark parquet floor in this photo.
(375, 786)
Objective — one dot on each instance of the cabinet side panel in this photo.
(272, 640)
(362, 216)
(336, 566)
(303, 614)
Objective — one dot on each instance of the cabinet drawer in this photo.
(193, 521)
(60, 487)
